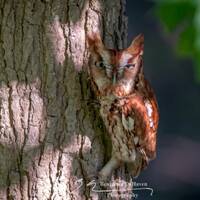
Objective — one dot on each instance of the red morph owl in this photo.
(128, 105)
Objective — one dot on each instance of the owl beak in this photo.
(114, 78)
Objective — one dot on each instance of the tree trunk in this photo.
(52, 139)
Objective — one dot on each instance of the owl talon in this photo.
(93, 103)
(107, 170)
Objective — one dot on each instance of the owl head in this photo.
(114, 69)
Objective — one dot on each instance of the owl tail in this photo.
(136, 167)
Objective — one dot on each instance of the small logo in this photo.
(111, 188)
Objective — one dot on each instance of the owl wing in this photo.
(144, 115)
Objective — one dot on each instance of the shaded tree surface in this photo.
(52, 139)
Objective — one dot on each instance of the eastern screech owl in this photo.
(128, 104)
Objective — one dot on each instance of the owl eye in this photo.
(129, 65)
(100, 64)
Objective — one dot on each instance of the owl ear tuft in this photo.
(137, 45)
(95, 42)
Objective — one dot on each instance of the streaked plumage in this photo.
(128, 104)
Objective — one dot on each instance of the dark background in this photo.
(175, 174)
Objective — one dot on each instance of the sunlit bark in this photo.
(51, 135)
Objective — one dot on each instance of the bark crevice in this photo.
(51, 133)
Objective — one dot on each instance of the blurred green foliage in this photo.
(183, 17)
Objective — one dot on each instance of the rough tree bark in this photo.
(52, 139)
